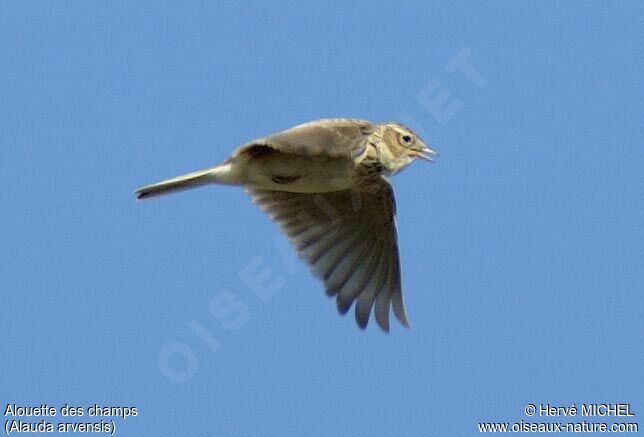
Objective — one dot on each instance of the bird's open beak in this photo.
(426, 153)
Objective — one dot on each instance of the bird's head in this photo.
(402, 146)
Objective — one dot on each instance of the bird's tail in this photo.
(221, 174)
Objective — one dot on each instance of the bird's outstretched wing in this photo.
(335, 138)
(349, 239)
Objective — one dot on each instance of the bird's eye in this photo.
(406, 138)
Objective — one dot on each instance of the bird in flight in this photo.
(324, 182)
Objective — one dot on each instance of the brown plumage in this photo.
(324, 183)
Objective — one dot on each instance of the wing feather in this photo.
(351, 246)
(357, 283)
(365, 299)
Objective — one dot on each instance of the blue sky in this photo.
(522, 249)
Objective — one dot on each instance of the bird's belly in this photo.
(300, 174)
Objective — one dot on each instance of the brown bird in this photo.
(324, 183)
